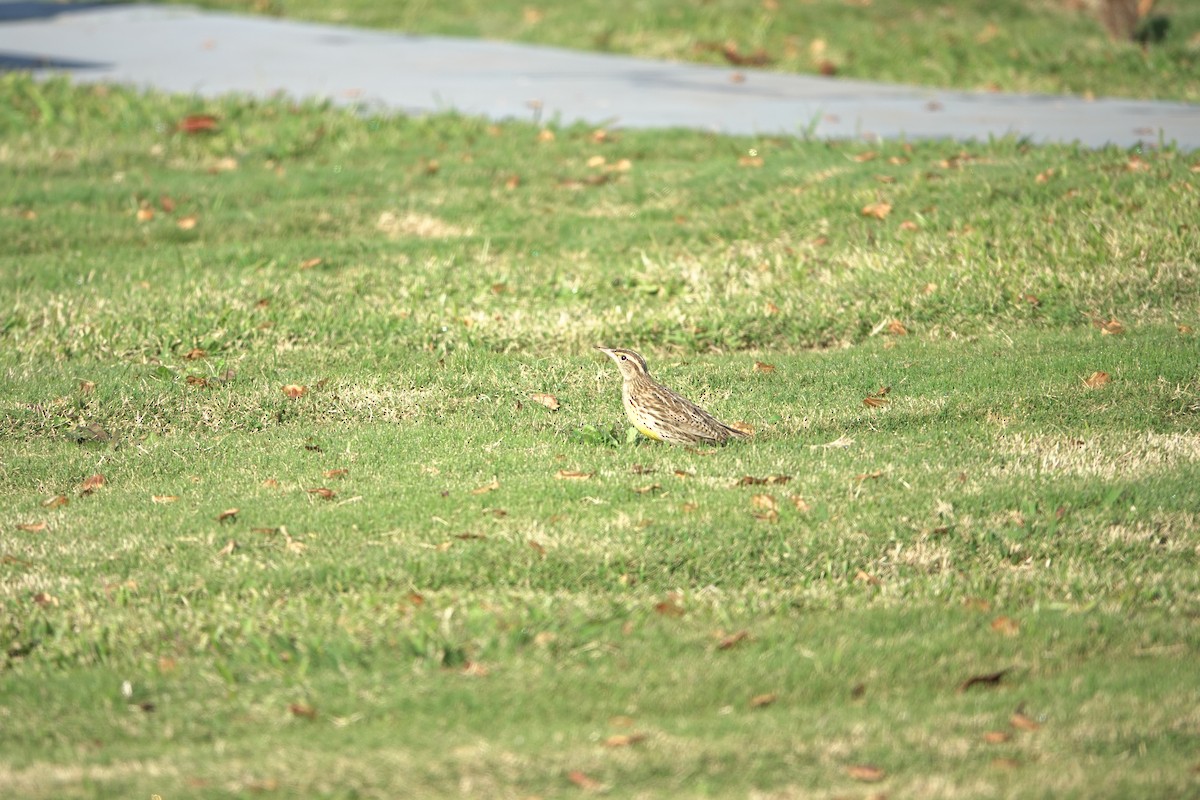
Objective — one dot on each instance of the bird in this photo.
(659, 412)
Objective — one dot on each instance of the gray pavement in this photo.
(181, 49)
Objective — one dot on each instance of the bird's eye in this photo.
(624, 358)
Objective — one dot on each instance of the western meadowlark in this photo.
(660, 413)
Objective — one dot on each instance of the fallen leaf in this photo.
(487, 487)
(336, 473)
(827, 68)
(1112, 327)
(770, 309)
(474, 669)
(624, 739)
(862, 158)
(322, 492)
(187, 223)
(770, 480)
(1005, 763)
(763, 700)
(294, 390)
(800, 503)
(750, 161)
(162, 499)
(45, 599)
(1096, 380)
(733, 640)
(896, 328)
(989, 679)
(310, 263)
(639, 469)
(868, 578)
(649, 488)
(87, 387)
(1021, 721)
(144, 214)
(572, 475)
(867, 773)
(1184, 329)
(548, 400)
(762, 367)
(764, 501)
(581, 780)
(303, 710)
(758, 58)
(1006, 626)
(194, 354)
(875, 401)
(878, 210)
(909, 225)
(545, 135)
(997, 737)
(56, 501)
(271, 483)
(688, 508)
(32, 527)
(869, 476)
(91, 484)
(228, 549)
(669, 608)
(512, 182)
(197, 123)
(228, 515)
(536, 547)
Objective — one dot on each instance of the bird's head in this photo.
(632, 365)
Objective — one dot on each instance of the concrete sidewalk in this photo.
(181, 49)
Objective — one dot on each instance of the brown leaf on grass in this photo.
(877, 399)
(649, 488)
(763, 700)
(909, 225)
(770, 480)
(1112, 327)
(867, 773)
(487, 487)
(896, 328)
(322, 492)
(474, 669)
(336, 473)
(753, 162)
(879, 210)
(988, 679)
(32, 527)
(537, 548)
(45, 599)
(228, 549)
(1096, 380)
(583, 781)
(91, 484)
(228, 515)
(869, 476)
(87, 387)
(144, 214)
(163, 499)
(827, 68)
(573, 475)
(1005, 763)
(997, 737)
(1006, 626)
(669, 608)
(196, 380)
(688, 508)
(271, 483)
(733, 55)
(166, 203)
(764, 368)
(868, 578)
(1023, 722)
(548, 400)
(310, 263)
(194, 354)
(303, 710)
(640, 469)
(295, 390)
(1184, 329)
(197, 123)
(624, 739)
(732, 640)
(800, 503)
(764, 502)
(55, 501)
(545, 135)
(188, 222)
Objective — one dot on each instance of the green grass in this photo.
(458, 617)
(1042, 46)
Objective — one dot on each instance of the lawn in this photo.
(1040, 46)
(314, 486)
